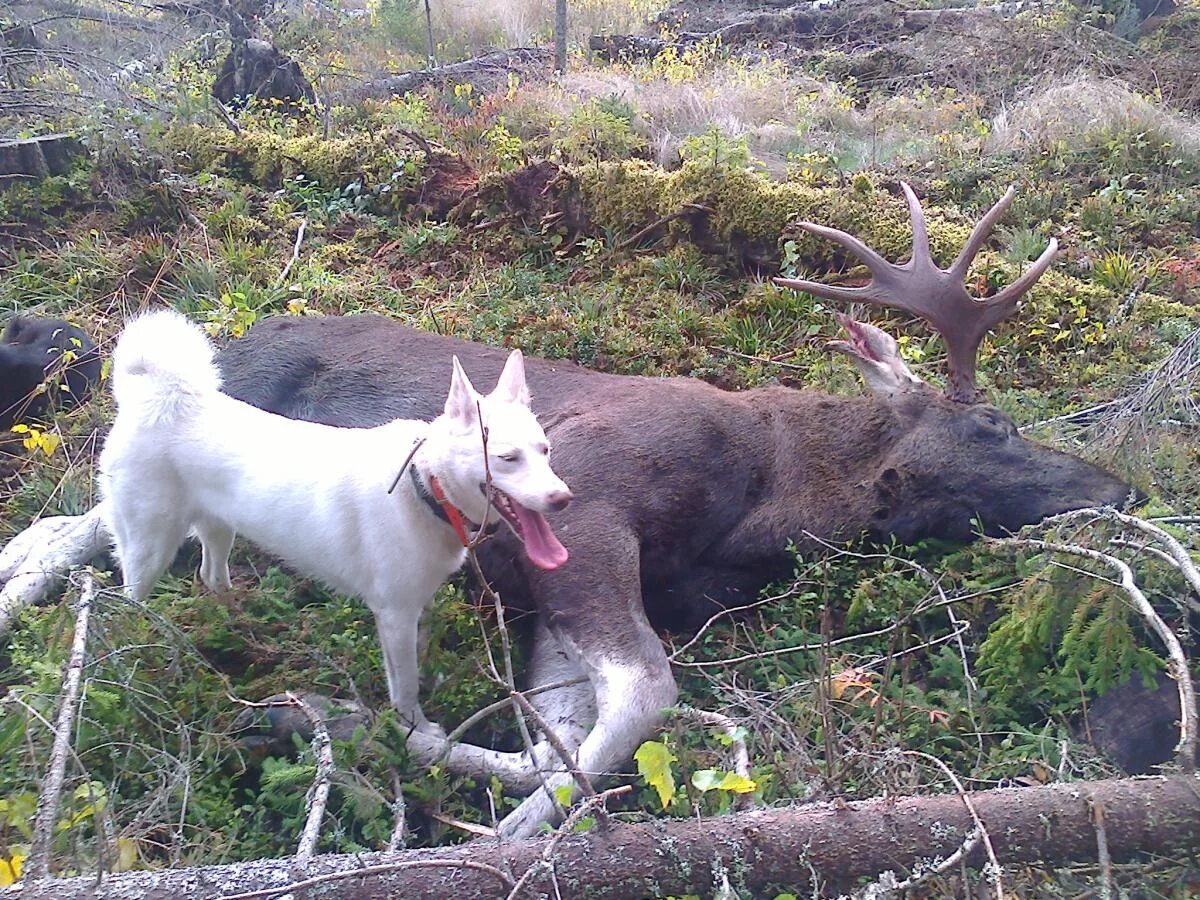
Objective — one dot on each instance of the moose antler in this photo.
(936, 295)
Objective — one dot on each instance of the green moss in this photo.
(268, 158)
(751, 208)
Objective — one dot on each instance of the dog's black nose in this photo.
(559, 499)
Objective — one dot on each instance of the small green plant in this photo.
(715, 150)
(423, 236)
(595, 132)
(231, 316)
(1118, 272)
(1021, 245)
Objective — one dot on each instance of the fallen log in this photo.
(484, 72)
(803, 24)
(758, 850)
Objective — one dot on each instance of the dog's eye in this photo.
(544, 449)
(511, 456)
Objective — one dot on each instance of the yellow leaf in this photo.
(739, 784)
(10, 869)
(846, 679)
(49, 442)
(127, 855)
(654, 764)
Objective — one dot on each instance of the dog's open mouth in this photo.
(541, 545)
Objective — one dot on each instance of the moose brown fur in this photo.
(688, 495)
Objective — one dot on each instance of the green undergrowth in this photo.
(206, 221)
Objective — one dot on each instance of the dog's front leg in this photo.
(399, 623)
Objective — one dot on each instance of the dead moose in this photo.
(688, 495)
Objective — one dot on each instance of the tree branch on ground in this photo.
(836, 843)
(38, 865)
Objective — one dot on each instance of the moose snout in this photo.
(558, 500)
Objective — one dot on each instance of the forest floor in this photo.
(544, 213)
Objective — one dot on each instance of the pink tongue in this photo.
(541, 546)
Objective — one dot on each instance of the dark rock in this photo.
(271, 730)
(34, 352)
(1135, 726)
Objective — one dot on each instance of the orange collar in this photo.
(435, 498)
(453, 514)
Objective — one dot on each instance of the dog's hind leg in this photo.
(145, 550)
(148, 521)
(216, 542)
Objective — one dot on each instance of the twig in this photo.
(230, 122)
(560, 748)
(594, 802)
(492, 708)
(1070, 417)
(974, 836)
(760, 359)
(318, 792)
(469, 827)
(1102, 854)
(1180, 558)
(295, 251)
(729, 611)
(1177, 665)
(382, 869)
(38, 865)
(508, 680)
(659, 223)
(994, 875)
(399, 837)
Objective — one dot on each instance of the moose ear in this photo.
(511, 387)
(462, 399)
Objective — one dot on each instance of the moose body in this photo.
(687, 497)
(690, 492)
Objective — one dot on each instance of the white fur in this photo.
(183, 458)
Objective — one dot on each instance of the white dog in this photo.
(183, 458)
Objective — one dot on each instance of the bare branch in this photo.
(38, 864)
(318, 792)
(994, 874)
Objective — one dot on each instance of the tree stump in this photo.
(37, 157)
(255, 70)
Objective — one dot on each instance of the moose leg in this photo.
(618, 650)
(568, 711)
(35, 560)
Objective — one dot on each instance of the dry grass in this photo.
(1083, 110)
(520, 23)
(784, 117)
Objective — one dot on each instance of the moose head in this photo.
(952, 458)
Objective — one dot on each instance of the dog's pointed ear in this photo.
(462, 399)
(511, 387)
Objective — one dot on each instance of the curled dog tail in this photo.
(163, 367)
